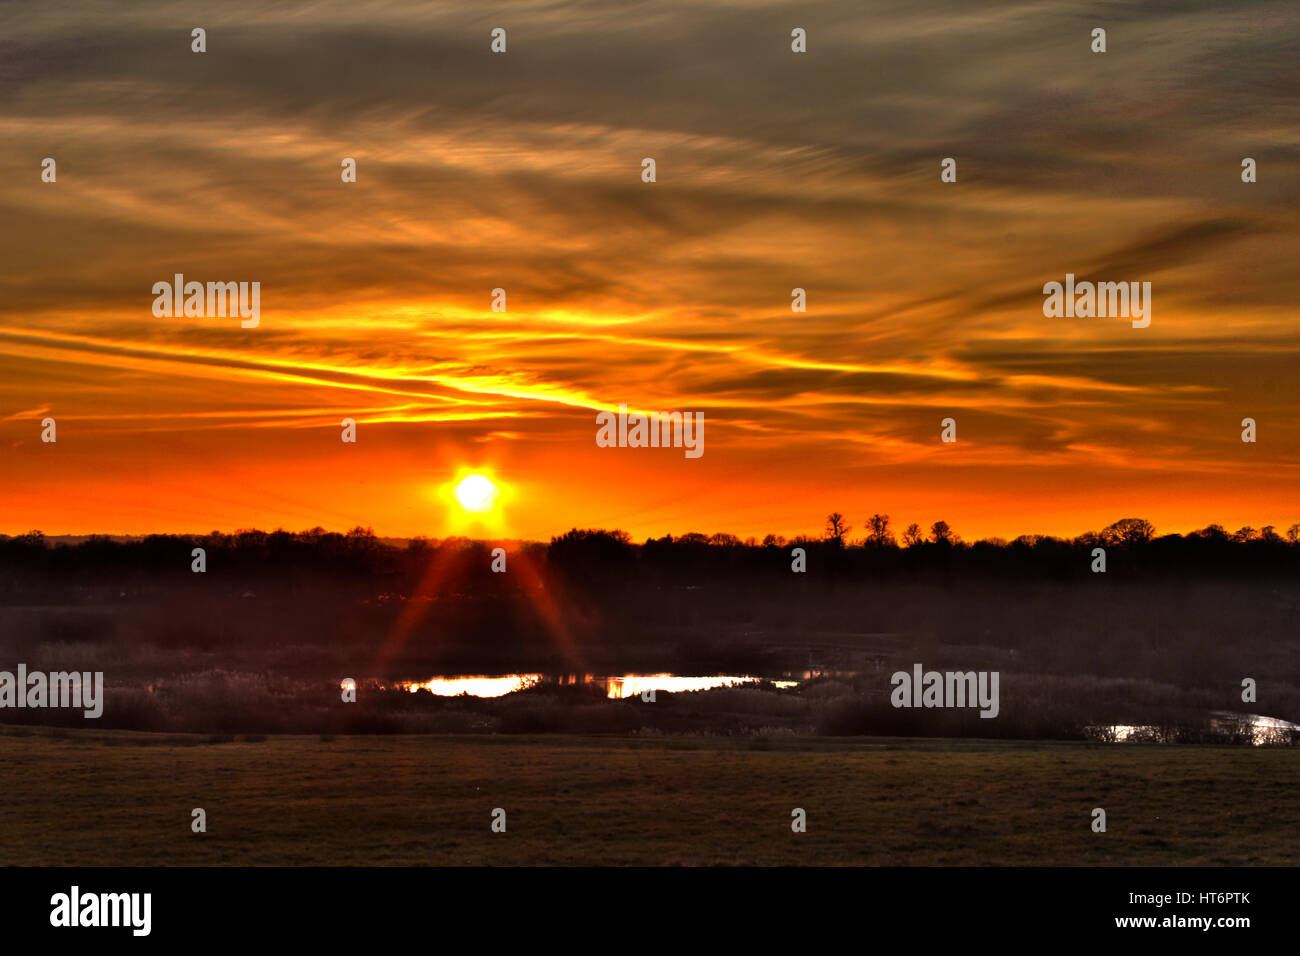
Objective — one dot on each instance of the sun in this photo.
(476, 500)
(476, 493)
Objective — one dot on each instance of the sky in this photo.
(775, 170)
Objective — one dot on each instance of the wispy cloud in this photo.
(776, 171)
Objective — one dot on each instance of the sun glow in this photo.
(477, 501)
(476, 493)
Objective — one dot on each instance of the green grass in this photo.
(118, 798)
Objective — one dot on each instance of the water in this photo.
(616, 688)
(473, 686)
(1262, 729)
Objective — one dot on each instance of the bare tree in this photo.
(912, 536)
(940, 533)
(836, 527)
(878, 533)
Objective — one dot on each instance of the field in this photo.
(122, 798)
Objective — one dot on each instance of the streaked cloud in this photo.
(775, 171)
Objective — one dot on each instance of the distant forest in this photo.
(277, 559)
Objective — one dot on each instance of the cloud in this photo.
(776, 171)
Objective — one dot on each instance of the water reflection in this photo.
(1262, 730)
(616, 688)
(631, 686)
(473, 686)
(1258, 729)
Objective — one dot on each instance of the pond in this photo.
(616, 687)
(1262, 729)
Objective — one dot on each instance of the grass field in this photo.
(119, 798)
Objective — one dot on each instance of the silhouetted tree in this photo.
(878, 533)
(591, 551)
(912, 536)
(940, 533)
(836, 528)
(1128, 531)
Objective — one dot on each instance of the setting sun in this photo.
(476, 493)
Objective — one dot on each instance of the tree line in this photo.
(254, 558)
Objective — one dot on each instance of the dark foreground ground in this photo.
(120, 798)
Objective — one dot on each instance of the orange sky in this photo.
(522, 171)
